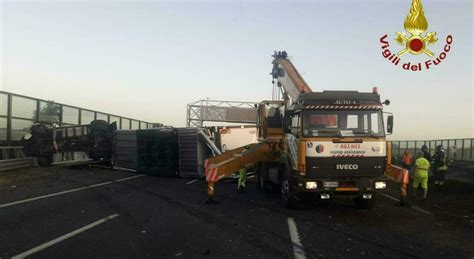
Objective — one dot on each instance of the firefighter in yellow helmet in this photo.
(422, 166)
(242, 173)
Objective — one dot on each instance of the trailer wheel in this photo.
(99, 126)
(288, 193)
(45, 160)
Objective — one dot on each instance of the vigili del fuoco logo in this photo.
(417, 42)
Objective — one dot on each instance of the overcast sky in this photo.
(147, 60)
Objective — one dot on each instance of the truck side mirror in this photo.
(390, 124)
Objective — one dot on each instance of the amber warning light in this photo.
(375, 90)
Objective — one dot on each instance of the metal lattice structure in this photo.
(220, 111)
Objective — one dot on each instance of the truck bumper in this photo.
(332, 188)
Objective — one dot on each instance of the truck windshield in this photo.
(328, 123)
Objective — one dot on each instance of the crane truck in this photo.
(313, 145)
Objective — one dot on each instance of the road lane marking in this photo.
(295, 240)
(128, 178)
(192, 181)
(63, 237)
(413, 206)
(65, 192)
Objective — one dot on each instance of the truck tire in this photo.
(365, 204)
(262, 183)
(45, 160)
(99, 126)
(39, 130)
(288, 192)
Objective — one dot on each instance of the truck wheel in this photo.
(288, 194)
(365, 204)
(99, 126)
(45, 160)
(262, 183)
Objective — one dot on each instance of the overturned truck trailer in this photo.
(148, 151)
(157, 151)
(56, 145)
(164, 151)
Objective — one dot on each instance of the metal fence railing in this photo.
(457, 150)
(18, 113)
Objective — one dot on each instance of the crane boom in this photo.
(288, 77)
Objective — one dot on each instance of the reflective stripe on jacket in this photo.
(444, 167)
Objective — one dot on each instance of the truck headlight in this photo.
(367, 196)
(379, 185)
(311, 185)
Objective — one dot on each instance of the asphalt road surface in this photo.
(100, 213)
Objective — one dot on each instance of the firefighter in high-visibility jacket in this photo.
(422, 166)
(440, 167)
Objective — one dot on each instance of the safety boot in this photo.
(413, 195)
(425, 194)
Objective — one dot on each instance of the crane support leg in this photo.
(237, 160)
(402, 176)
(210, 193)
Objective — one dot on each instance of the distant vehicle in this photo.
(314, 145)
(51, 144)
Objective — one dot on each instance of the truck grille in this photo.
(326, 167)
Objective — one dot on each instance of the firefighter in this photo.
(439, 167)
(242, 174)
(422, 165)
(426, 153)
(407, 160)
